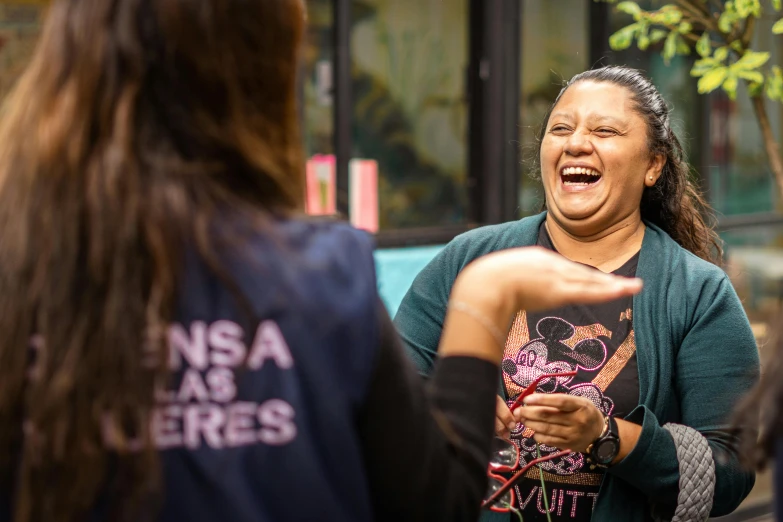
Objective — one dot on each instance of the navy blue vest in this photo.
(261, 425)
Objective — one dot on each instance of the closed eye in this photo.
(605, 132)
(559, 129)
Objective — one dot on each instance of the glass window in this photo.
(554, 48)
(19, 27)
(739, 178)
(755, 263)
(410, 112)
(318, 82)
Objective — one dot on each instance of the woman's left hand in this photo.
(561, 421)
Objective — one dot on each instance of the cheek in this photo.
(626, 168)
(549, 156)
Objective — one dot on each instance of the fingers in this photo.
(592, 286)
(504, 420)
(561, 421)
(529, 414)
(552, 442)
(503, 414)
(560, 401)
(599, 289)
(570, 436)
(501, 430)
(552, 431)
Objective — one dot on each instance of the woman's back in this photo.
(260, 421)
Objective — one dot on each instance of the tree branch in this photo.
(770, 143)
(719, 7)
(689, 36)
(747, 34)
(702, 6)
(697, 15)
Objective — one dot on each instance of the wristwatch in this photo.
(605, 448)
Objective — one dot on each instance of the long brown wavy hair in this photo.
(674, 203)
(135, 124)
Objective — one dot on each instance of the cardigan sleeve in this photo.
(716, 364)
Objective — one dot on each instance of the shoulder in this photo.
(691, 286)
(314, 263)
(662, 252)
(321, 236)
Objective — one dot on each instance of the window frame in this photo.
(491, 84)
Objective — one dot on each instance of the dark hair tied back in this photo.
(674, 203)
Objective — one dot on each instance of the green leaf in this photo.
(631, 8)
(730, 86)
(737, 46)
(746, 8)
(671, 15)
(721, 53)
(682, 47)
(774, 84)
(727, 20)
(623, 38)
(667, 15)
(751, 60)
(656, 35)
(776, 4)
(755, 89)
(751, 76)
(712, 80)
(685, 28)
(700, 67)
(703, 46)
(643, 42)
(670, 47)
(777, 27)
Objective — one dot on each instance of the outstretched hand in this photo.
(492, 288)
(534, 279)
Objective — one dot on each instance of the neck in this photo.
(606, 250)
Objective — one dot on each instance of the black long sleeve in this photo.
(426, 452)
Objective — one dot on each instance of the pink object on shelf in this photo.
(321, 196)
(363, 194)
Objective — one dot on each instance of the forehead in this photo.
(588, 100)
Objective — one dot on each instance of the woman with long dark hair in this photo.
(178, 342)
(656, 375)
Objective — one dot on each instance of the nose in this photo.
(578, 144)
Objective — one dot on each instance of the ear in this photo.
(654, 169)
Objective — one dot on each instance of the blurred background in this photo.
(419, 118)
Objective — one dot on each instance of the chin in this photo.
(580, 214)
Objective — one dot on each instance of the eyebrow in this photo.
(595, 118)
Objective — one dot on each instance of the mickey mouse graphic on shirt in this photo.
(549, 354)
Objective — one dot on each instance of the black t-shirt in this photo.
(598, 342)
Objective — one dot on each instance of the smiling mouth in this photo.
(579, 176)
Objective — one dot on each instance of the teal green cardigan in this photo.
(696, 357)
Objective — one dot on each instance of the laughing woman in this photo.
(657, 374)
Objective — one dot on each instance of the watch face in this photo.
(606, 451)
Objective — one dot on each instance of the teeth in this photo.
(580, 170)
